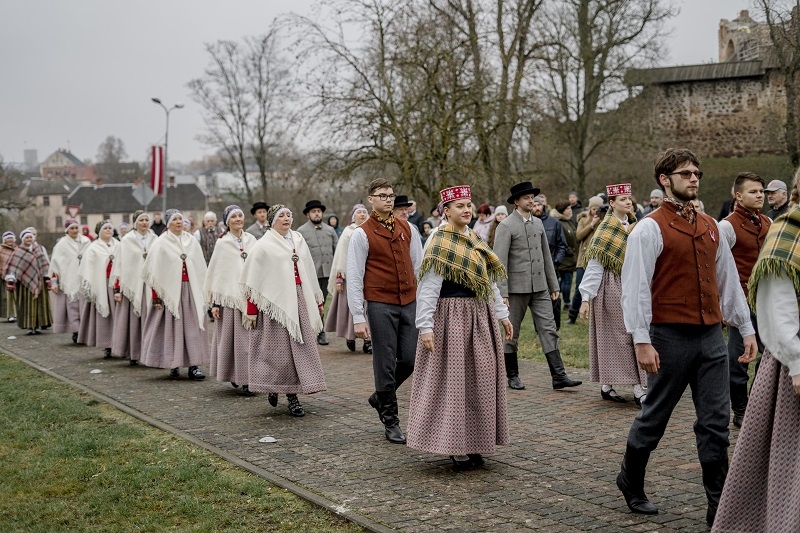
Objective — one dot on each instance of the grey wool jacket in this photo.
(523, 249)
(322, 242)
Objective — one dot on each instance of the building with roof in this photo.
(735, 107)
(48, 199)
(64, 164)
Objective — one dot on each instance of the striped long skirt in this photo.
(66, 313)
(8, 304)
(97, 330)
(230, 348)
(169, 342)
(32, 311)
(762, 491)
(458, 397)
(126, 341)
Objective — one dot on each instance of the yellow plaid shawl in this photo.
(781, 251)
(608, 243)
(462, 259)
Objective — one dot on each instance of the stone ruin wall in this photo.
(719, 118)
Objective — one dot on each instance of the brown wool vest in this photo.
(684, 288)
(748, 243)
(389, 273)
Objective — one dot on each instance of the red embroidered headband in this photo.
(616, 190)
(459, 192)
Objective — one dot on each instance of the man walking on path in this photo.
(382, 263)
(321, 240)
(678, 284)
(260, 227)
(745, 230)
(521, 244)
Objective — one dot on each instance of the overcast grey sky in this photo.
(73, 72)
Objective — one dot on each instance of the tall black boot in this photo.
(738, 403)
(387, 408)
(512, 371)
(630, 481)
(557, 372)
(401, 373)
(714, 474)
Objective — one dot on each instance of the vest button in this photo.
(702, 312)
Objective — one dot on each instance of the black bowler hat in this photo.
(521, 189)
(257, 206)
(401, 200)
(312, 204)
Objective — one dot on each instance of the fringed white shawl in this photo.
(339, 265)
(162, 271)
(92, 273)
(224, 270)
(128, 267)
(65, 264)
(268, 281)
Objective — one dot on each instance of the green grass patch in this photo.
(71, 463)
(574, 342)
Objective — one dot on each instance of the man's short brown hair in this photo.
(738, 183)
(667, 162)
(378, 183)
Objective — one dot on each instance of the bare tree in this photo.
(783, 21)
(110, 156)
(12, 182)
(592, 43)
(242, 94)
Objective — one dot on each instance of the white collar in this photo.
(530, 216)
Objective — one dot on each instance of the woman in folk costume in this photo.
(45, 310)
(26, 276)
(231, 344)
(612, 358)
(458, 398)
(174, 332)
(130, 294)
(339, 320)
(8, 307)
(284, 310)
(97, 309)
(762, 490)
(65, 283)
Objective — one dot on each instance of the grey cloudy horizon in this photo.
(75, 72)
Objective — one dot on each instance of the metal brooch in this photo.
(183, 256)
(295, 258)
(144, 255)
(111, 257)
(244, 255)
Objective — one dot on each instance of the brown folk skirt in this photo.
(458, 397)
(169, 342)
(279, 363)
(32, 311)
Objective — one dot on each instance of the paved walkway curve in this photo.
(556, 476)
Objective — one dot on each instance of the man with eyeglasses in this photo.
(679, 282)
(382, 264)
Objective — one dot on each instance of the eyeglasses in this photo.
(687, 174)
(384, 197)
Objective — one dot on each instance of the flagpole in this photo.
(166, 141)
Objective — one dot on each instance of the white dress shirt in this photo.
(645, 245)
(779, 320)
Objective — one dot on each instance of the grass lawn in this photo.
(71, 463)
(574, 342)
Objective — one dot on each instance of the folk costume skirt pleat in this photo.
(280, 364)
(458, 397)
(230, 348)
(66, 314)
(339, 320)
(612, 357)
(32, 311)
(762, 491)
(95, 330)
(8, 304)
(127, 339)
(169, 342)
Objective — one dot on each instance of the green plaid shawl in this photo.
(781, 250)
(462, 259)
(609, 242)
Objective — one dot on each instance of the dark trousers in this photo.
(695, 356)
(574, 309)
(566, 286)
(739, 375)
(394, 343)
(323, 284)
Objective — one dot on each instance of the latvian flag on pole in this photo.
(157, 169)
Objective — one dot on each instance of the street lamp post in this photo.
(166, 140)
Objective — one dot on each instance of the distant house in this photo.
(64, 164)
(115, 202)
(49, 198)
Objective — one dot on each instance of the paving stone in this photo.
(556, 475)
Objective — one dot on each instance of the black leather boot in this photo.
(387, 403)
(107, 353)
(559, 375)
(512, 371)
(714, 474)
(351, 345)
(367, 347)
(373, 401)
(738, 403)
(195, 374)
(322, 340)
(630, 481)
(402, 372)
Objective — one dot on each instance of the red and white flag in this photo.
(157, 169)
